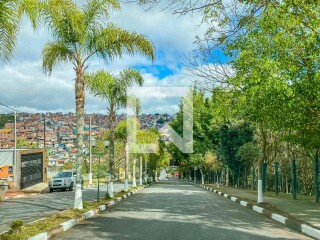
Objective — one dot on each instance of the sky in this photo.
(26, 88)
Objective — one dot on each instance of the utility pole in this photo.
(15, 151)
(90, 153)
(44, 130)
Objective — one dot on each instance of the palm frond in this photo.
(55, 52)
(32, 9)
(129, 77)
(112, 42)
(100, 84)
(64, 19)
(96, 10)
(9, 27)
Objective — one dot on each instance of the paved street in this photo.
(35, 207)
(173, 210)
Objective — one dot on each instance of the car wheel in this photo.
(63, 189)
(71, 187)
(51, 190)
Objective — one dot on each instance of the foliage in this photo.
(16, 226)
(232, 137)
(23, 143)
(11, 13)
(248, 153)
(68, 166)
(113, 88)
(79, 34)
(5, 119)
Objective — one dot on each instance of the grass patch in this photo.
(21, 231)
(26, 231)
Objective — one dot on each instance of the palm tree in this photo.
(114, 90)
(11, 12)
(80, 34)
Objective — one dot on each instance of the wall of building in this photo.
(13, 173)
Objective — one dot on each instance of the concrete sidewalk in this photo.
(31, 191)
(302, 209)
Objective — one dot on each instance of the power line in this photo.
(4, 105)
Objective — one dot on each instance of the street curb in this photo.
(73, 222)
(306, 228)
(22, 196)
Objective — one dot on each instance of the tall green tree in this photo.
(113, 89)
(278, 72)
(11, 13)
(80, 34)
(121, 134)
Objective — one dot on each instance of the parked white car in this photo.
(64, 180)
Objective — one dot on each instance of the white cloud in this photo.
(25, 86)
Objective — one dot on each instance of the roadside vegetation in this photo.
(19, 230)
(257, 95)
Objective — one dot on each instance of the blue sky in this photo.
(26, 87)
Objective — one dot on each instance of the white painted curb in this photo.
(102, 208)
(40, 236)
(257, 209)
(89, 214)
(243, 203)
(233, 199)
(68, 224)
(310, 231)
(125, 196)
(278, 218)
(73, 222)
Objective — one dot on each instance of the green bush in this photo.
(108, 196)
(15, 226)
(85, 204)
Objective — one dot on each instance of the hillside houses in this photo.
(58, 131)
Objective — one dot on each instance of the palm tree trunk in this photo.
(80, 98)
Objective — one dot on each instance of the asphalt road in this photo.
(173, 210)
(40, 206)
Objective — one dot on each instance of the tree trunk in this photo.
(145, 170)
(202, 179)
(294, 179)
(140, 170)
(316, 175)
(134, 172)
(261, 162)
(126, 167)
(80, 98)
